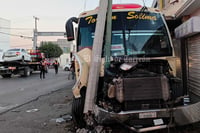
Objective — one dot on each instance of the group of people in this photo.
(44, 68)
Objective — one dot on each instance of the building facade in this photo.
(67, 48)
(184, 21)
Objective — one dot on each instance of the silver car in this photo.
(66, 67)
(17, 54)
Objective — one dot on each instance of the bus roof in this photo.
(119, 7)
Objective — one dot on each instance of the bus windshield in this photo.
(133, 34)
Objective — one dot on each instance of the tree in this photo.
(51, 50)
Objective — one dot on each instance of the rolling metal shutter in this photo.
(194, 64)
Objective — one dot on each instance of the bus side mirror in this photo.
(70, 29)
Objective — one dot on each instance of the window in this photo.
(133, 34)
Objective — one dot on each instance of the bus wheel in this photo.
(77, 110)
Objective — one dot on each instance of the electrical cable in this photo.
(20, 46)
(15, 28)
(22, 36)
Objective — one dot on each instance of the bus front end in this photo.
(138, 88)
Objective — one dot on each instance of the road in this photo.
(18, 90)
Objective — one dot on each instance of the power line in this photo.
(16, 28)
(4, 41)
(9, 34)
(19, 45)
(22, 36)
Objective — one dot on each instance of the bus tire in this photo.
(77, 110)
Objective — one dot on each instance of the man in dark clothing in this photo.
(56, 65)
(72, 69)
(42, 69)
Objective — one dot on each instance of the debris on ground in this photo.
(82, 130)
(60, 120)
(15, 111)
(40, 115)
(32, 110)
(67, 117)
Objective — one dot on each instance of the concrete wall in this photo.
(4, 34)
(64, 59)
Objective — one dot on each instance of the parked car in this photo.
(66, 67)
(16, 54)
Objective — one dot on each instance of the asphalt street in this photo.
(39, 106)
(18, 90)
(42, 115)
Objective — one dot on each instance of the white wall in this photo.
(1, 54)
(4, 34)
(64, 59)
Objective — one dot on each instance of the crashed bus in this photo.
(139, 87)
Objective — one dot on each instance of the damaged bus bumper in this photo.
(150, 120)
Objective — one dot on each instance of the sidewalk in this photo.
(40, 116)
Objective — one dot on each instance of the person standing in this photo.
(56, 65)
(72, 69)
(42, 69)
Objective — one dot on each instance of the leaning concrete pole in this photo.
(96, 57)
(107, 47)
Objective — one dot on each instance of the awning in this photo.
(188, 28)
(188, 7)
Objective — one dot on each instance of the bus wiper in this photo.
(124, 39)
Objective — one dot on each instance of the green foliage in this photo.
(50, 50)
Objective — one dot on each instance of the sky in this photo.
(52, 15)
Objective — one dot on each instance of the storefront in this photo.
(194, 66)
(189, 33)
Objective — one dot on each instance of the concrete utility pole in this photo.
(35, 34)
(107, 47)
(96, 57)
